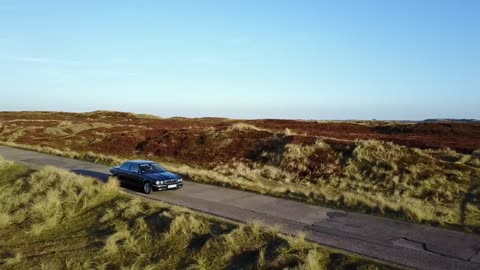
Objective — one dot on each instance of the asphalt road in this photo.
(401, 243)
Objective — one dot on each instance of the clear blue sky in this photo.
(243, 59)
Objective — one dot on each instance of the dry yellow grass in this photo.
(243, 127)
(384, 178)
(75, 222)
(68, 128)
(147, 116)
(425, 186)
(88, 156)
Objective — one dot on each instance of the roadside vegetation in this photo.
(431, 185)
(54, 219)
(435, 187)
(86, 156)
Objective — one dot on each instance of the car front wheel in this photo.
(147, 188)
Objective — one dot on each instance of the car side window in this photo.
(125, 166)
(134, 168)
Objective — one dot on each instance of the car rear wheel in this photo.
(147, 188)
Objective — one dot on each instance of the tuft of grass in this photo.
(13, 260)
(244, 127)
(316, 260)
(147, 116)
(5, 219)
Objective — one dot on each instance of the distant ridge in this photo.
(450, 120)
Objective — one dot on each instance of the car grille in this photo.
(170, 181)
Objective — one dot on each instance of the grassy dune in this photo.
(440, 187)
(346, 165)
(424, 186)
(54, 219)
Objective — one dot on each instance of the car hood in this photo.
(162, 176)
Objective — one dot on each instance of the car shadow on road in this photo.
(102, 177)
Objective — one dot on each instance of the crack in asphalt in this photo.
(425, 248)
(330, 231)
(477, 253)
(332, 215)
(423, 244)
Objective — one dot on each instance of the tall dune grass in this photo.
(86, 156)
(54, 219)
(424, 186)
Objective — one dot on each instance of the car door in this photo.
(123, 172)
(134, 175)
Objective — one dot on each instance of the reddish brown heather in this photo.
(206, 140)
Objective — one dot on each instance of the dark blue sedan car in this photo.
(146, 174)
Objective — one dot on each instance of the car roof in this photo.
(140, 161)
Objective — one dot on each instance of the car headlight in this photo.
(158, 182)
(180, 180)
(161, 182)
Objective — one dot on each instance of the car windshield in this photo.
(152, 168)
